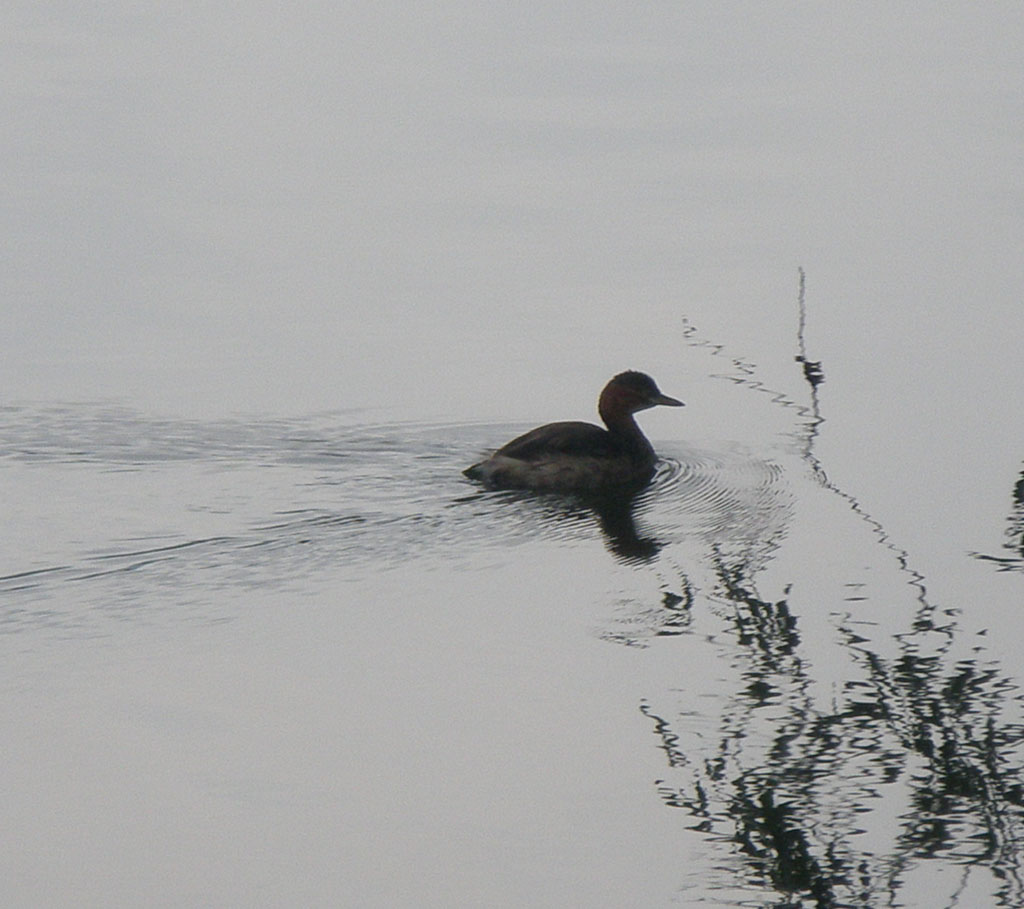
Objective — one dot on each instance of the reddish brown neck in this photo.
(615, 409)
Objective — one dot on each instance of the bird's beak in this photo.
(666, 400)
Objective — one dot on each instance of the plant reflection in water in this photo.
(1014, 534)
(835, 798)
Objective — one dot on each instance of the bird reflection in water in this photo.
(617, 520)
(614, 513)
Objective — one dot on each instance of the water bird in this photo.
(580, 457)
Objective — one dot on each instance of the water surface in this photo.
(320, 623)
(275, 277)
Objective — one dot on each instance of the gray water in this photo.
(275, 277)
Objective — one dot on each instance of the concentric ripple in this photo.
(721, 494)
